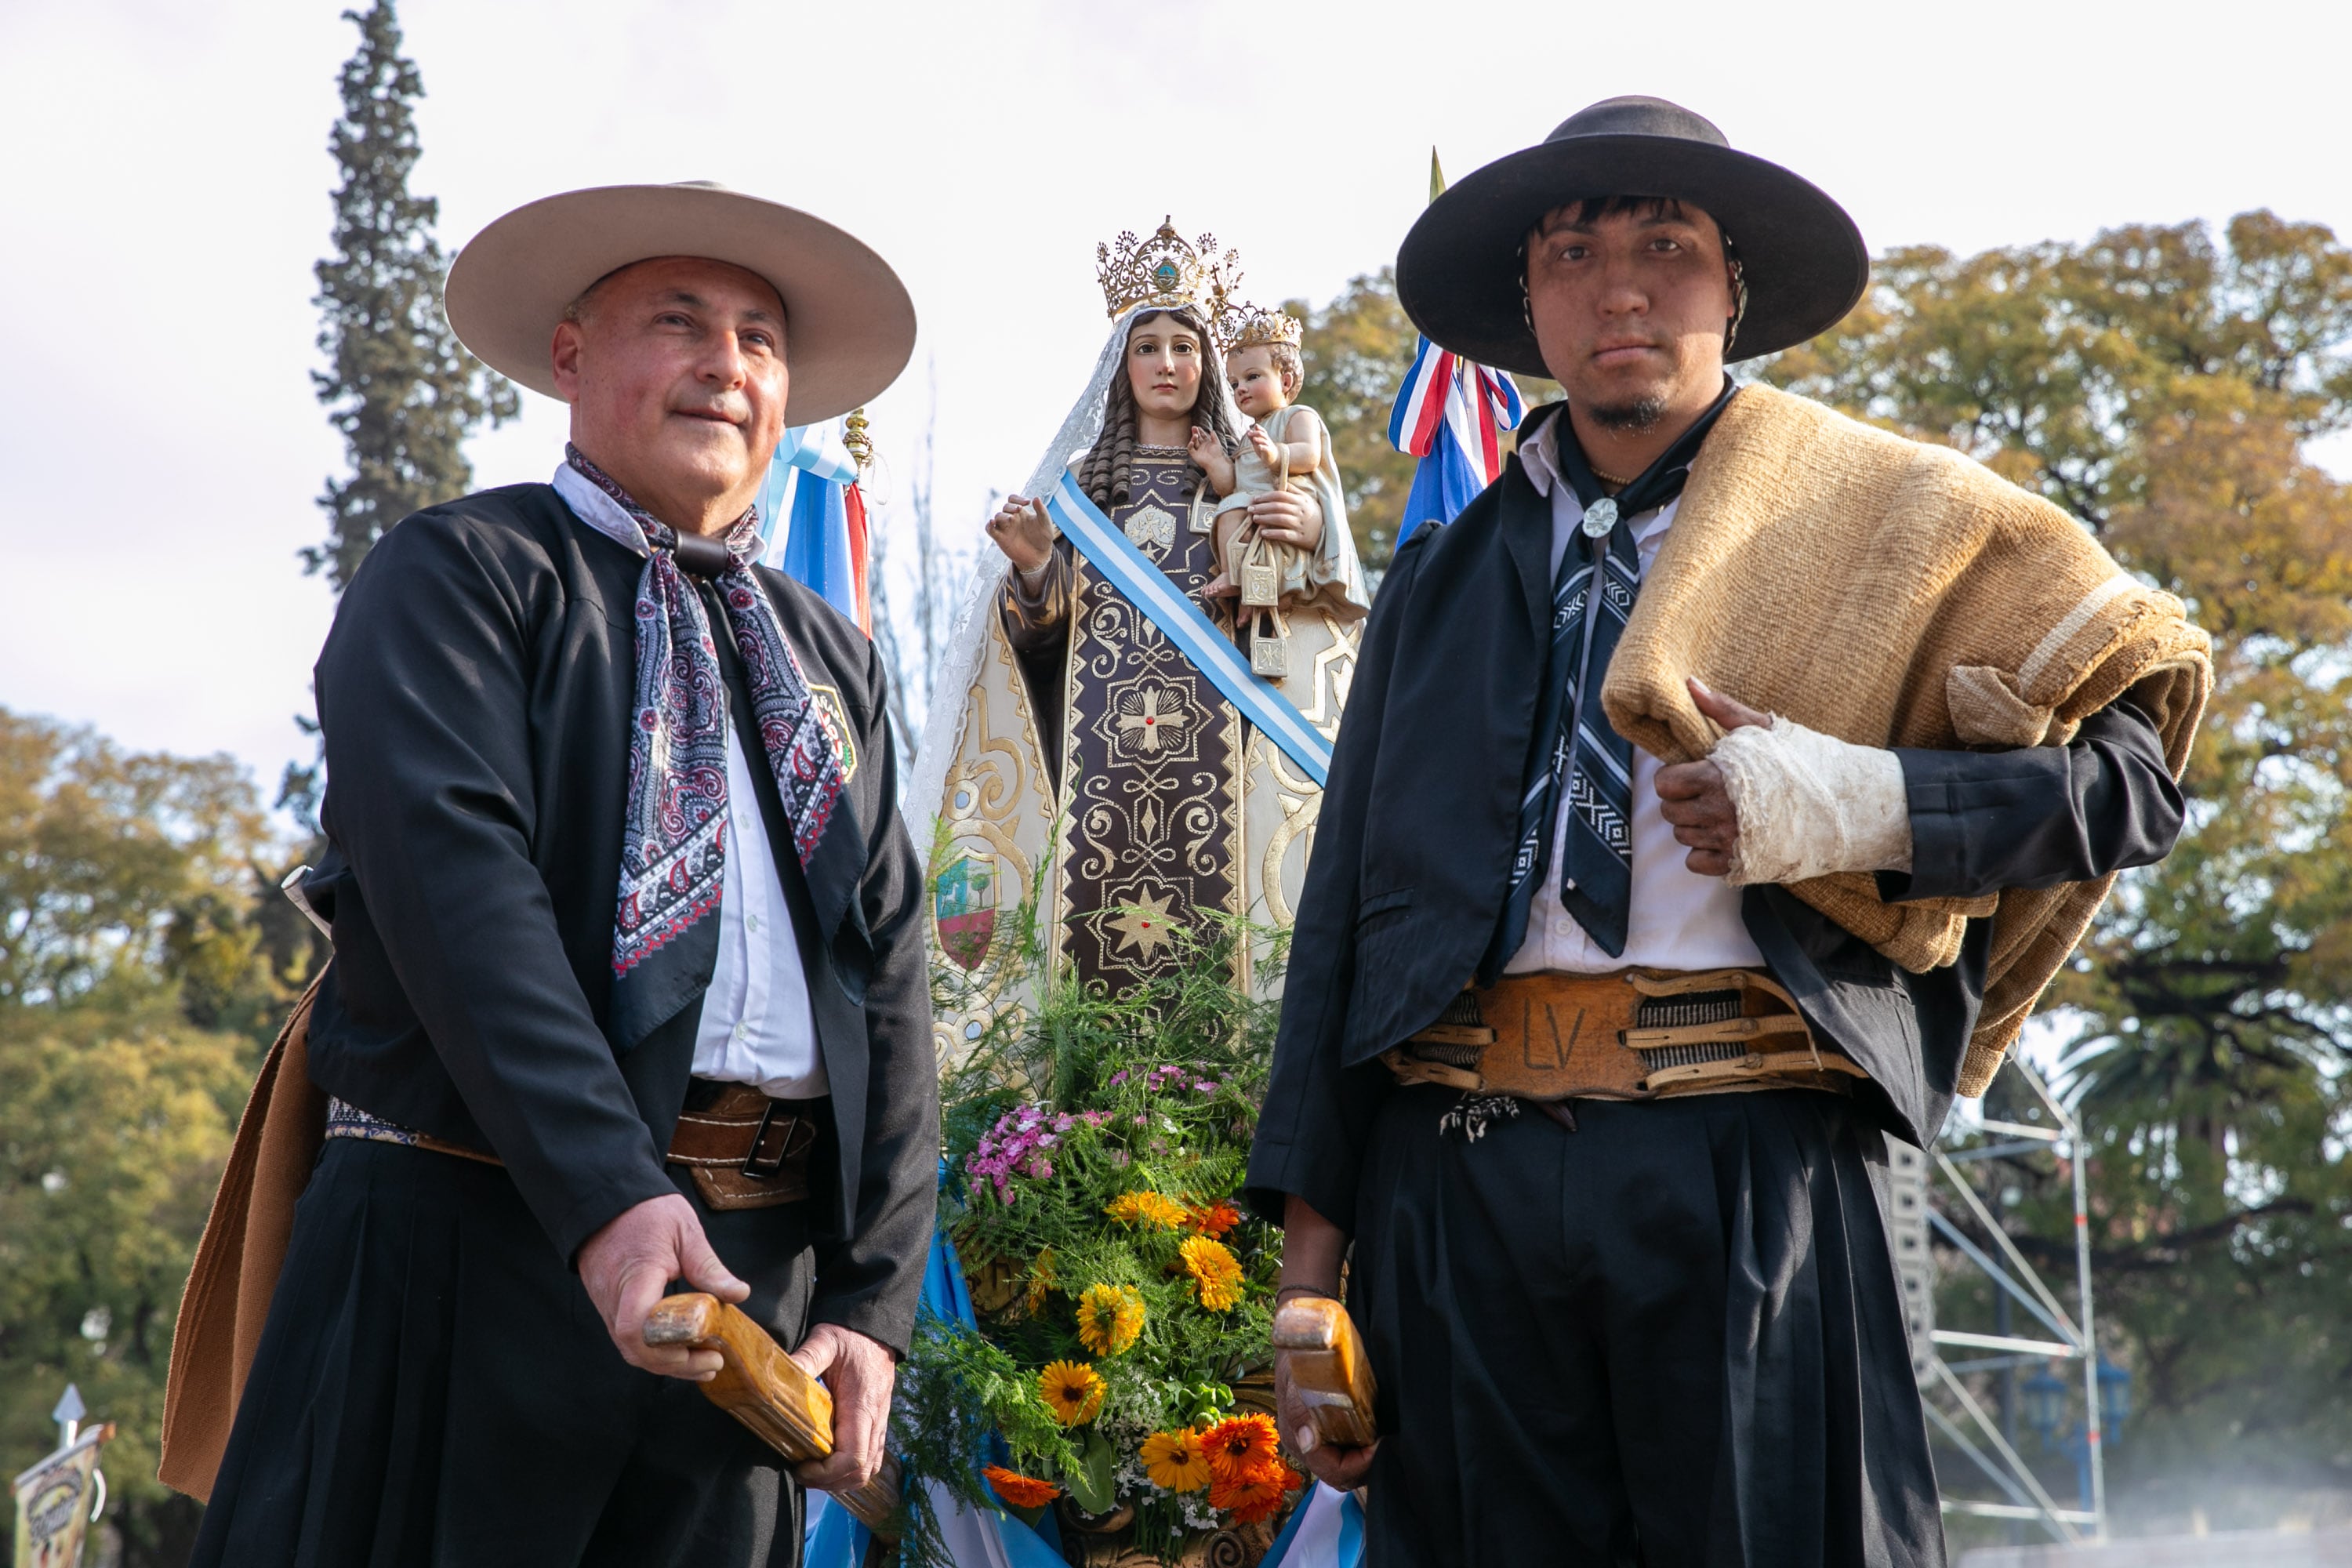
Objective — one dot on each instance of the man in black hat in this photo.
(629, 983)
(1718, 794)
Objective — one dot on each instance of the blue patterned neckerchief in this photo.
(1574, 743)
(674, 839)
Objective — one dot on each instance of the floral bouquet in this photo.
(1120, 1371)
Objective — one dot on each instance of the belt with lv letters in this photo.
(1638, 1034)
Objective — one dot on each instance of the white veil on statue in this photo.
(1080, 428)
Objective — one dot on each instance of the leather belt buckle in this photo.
(759, 1165)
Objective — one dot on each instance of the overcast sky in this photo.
(166, 180)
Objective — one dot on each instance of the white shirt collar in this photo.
(1539, 456)
(600, 512)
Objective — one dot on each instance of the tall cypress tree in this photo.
(402, 390)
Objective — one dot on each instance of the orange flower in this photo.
(1020, 1490)
(1214, 1219)
(1176, 1461)
(1072, 1391)
(1215, 1269)
(1239, 1445)
(1254, 1495)
(1145, 1208)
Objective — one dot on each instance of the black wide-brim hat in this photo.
(1460, 272)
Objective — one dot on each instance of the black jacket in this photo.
(1418, 825)
(476, 694)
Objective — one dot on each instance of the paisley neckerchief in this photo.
(674, 839)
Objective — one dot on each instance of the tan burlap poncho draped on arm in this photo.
(1895, 593)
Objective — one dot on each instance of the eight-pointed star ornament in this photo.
(1144, 924)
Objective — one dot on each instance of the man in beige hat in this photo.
(629, 983)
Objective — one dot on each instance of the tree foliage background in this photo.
(142, 974)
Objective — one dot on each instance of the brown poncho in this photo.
(1895, 593)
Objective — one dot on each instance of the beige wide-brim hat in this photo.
(849, 327)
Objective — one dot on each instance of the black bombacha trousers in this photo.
(1672, 1338)
(434, 1387)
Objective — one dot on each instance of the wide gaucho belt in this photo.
(1639, 1034)
(743, 1150)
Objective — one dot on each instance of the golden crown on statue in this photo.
(1253, 326)
(1163, 273)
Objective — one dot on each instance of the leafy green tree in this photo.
(2163, 384)
(1357, 350)
(136, 987)
(402, 391)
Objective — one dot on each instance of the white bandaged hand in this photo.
(1809, 805)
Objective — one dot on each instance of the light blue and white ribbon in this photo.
(1125, 567)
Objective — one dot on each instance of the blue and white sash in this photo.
(1110, 551)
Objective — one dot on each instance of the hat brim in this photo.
(1458, 271)
(849, 326)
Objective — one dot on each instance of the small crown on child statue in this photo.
(1163, 273)
(1253, 326)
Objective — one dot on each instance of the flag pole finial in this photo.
(1437, 176)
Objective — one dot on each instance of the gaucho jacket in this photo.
(1413, 847)
(476, 696)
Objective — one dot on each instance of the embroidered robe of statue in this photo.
(1099, 770)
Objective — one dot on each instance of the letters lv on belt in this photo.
(1638, 1034)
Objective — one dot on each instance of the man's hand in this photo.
(627, 1266)
(1693, 797)
(859, 1371)
(1024, 532)
(1312, 1248)
(1340, 1469)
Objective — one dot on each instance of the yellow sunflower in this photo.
(1177, 1461)
(1110, 1318)
(1215, 1269)
(1072, 1391)
(1146, 1208)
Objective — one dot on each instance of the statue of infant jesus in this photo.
(1286, 448)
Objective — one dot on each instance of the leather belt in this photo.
(743, 1150)
(1638, 1034)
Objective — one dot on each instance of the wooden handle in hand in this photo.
(1330, 1376)
(766, 1390)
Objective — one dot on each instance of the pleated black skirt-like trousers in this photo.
(434, 1387)
(1670, 1339)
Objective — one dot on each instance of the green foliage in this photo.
(1056, 1122)
(136, 987)
(2163, 385)
(1357, 350)
(402, 390)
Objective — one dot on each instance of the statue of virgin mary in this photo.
(1073, 746)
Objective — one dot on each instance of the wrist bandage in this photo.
(1809, 805)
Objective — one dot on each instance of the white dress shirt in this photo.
(1680, 920)
(756, 1026)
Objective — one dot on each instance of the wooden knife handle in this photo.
(766, 1390)
(1330, 1376)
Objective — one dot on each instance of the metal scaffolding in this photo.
(1951, 1409)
